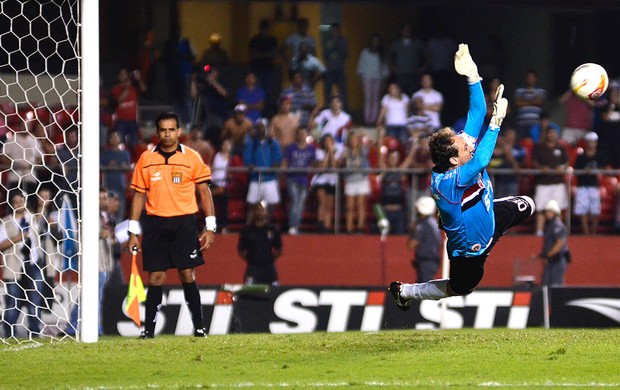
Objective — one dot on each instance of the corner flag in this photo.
(135, 293)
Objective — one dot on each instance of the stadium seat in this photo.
(528, 144)
(237, 181)
(572, 151)
(608, 202)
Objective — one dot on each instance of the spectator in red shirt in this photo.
(578, 117)
(125, 94)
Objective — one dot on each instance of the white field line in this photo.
(297, 385)
(313, 385)
(21, 347)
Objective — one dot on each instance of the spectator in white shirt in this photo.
(393, 115)
(311, 68)
(433, 100)
(22, 152)
(372, 69)
(219, 183)
(333, 121)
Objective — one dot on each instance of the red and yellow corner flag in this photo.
(136, 293)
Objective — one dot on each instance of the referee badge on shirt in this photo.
(176, 177)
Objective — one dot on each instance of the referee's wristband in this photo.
(210, 223)
(133, 227)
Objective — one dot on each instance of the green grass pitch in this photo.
(389, 359)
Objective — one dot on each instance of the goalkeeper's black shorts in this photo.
(466, 272)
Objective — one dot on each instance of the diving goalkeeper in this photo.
(472, 220)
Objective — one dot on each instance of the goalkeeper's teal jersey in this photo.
(464, 195)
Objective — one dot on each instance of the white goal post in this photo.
(89, 78)
(49, 87)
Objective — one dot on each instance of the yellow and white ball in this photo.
(589, 81)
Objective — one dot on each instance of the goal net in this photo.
(40, 189)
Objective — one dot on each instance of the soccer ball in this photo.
(589, 81)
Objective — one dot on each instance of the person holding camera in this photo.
(210, 108)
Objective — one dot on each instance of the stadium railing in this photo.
(416, 179)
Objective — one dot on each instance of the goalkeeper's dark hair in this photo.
(441, 145)
(167, 115)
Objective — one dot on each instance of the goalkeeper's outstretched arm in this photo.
(465, 65)
(484, 151)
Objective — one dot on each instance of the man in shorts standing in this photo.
(552, 158)
(588, 194)
(472, 220)
(262, 151)
(165, 180)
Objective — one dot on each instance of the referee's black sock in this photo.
(153, 303)
(192, 298)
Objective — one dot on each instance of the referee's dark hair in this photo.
(167, 115)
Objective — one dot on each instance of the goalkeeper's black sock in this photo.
(153, 303)
(192, 298)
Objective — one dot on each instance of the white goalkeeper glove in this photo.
(500, 105)
(465, 65)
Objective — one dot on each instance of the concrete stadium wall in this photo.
(343, 260)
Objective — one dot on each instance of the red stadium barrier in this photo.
(344, 260)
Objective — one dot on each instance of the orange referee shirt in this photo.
(170, 183)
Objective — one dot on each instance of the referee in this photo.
(165, 179)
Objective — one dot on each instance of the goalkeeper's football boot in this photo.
(146, 335)
(402, 303)
(200, 333)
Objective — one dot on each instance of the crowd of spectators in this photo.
(279, 134)
(405, 87)
(260, 124)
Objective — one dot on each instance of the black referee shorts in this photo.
(170, 242)
(466, 272)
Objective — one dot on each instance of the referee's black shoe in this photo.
(146, 335)
(200, 333)
(402, 303)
